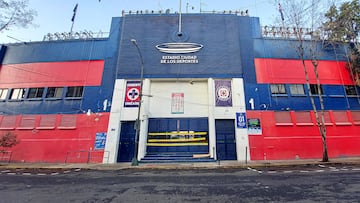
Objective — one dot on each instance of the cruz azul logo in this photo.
(132, 95)
(223, 93)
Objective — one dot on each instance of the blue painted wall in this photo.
(220, 34)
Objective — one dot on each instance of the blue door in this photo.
(127, 142)
(225, 139)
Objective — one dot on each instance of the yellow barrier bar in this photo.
(178, 133)
(178, 140)
(176, 144)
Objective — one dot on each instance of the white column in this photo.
(113, 132)
(144, 118)
(242, 138)
(211, 121)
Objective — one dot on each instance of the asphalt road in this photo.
(340, 183)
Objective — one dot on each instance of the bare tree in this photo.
(15, 13)
(298, 15)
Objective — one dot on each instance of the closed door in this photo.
(225, 139)
(127, 142)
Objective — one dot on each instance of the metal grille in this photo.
(27, 122)
(8, 122)
(68, 122)
(356, 117)
(283, 117)
(303, 117)
(47, 122)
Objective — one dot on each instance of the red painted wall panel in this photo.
(59, 145)
(52, 74)
(292, 72)
(286, 142)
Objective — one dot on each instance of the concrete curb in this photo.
(181, 166)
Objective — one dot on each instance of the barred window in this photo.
(75, 91)
(3, 94)
(314, 89)
(297, 89)
(17, 93)
(35, 93)
(278, 89)
(54, 92)
(350, 90)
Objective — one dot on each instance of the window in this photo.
(74, 92)
(350, 90)
(35, 93)
(17, 93)
(314, 89)
(3, 94)
(54, 92)
(278, 89)
(297, 89)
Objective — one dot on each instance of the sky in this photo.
(94, 15)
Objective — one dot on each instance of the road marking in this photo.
(356, 169)
(78, 169)
(303, 171)
(322, 166)
(288, 171)
(319, 171)
(41, 174)
(26, 174)
(67, 171)
(5, 171)
(252, 169)
(272, 172)
(11, 173)
(54, 174)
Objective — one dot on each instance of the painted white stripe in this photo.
(288, 171)
(272, 171)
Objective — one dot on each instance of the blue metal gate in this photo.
(178, 135)
(225, 139)
(127, 142)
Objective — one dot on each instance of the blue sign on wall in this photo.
(241, 120)
(100, 141)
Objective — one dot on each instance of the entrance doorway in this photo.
(178, 135)
(127, 142)
(225, 139)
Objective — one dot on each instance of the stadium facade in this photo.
(210, 87)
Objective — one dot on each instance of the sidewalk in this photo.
(199, 165)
